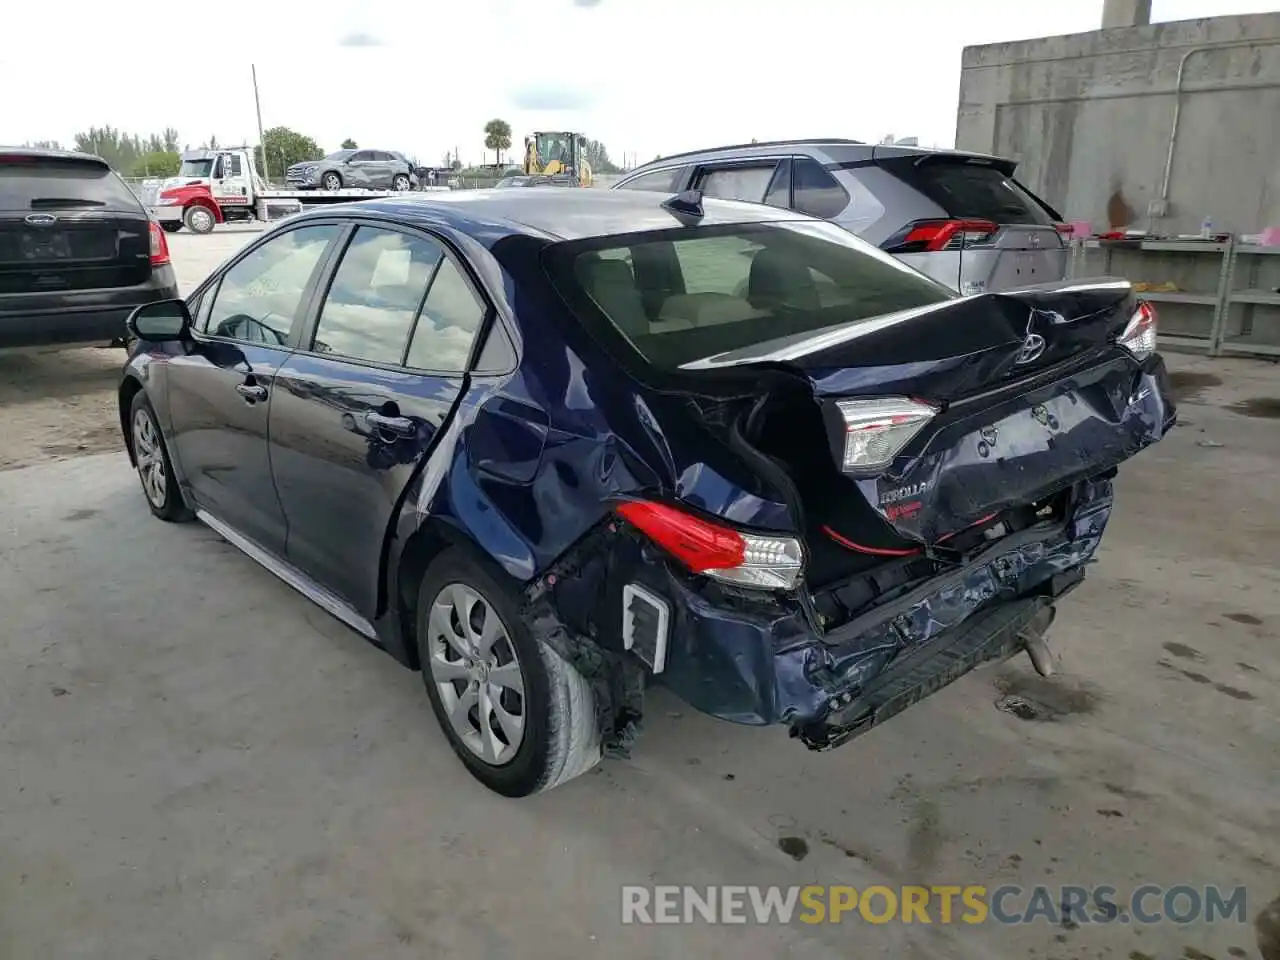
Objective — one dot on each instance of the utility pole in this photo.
(257, 105)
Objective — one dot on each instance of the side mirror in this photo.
(160, 322)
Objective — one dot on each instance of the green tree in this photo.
(598, 156)
(156, 163)
(349, 144)
(455, 165)
(123, 150)
(497, 137)
(285, 147)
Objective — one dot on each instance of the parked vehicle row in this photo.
(554, 446)
(958, 217)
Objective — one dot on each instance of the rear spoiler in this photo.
(932, 158)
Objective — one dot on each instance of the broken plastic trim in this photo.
(617, 680)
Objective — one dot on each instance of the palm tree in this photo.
(497, 137)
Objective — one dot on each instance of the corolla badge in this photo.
(41, 219)
(1032, 347)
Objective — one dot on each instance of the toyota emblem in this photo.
(1032, 347)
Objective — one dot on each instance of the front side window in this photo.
(260, 298)
(682, 295)
(660, 181)
(376, 291)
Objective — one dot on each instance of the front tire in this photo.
(401, 182)
(518, 716)
(155, 469)
(199, 219)
(331, 181)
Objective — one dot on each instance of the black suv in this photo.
(78, 251)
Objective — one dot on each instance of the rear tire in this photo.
(557, 737)
(199, 219)
(170, 226)
(155, 469)
(331, 181)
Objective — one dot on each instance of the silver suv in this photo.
(960, 218)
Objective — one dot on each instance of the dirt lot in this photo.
(61, 403)
(197, 762)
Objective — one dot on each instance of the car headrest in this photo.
(779, 279)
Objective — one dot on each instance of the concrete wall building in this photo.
(1143, 125)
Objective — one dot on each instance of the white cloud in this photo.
(643, 76)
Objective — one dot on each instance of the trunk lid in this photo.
(1030, 391)
(68, 223)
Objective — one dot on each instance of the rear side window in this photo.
(677, 296)
(44, 183)
(369, 310)
(448, 323)
(814, 190)
(660, 181)
(972, 190)
(738, 182)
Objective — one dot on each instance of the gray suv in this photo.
(960, 218)
(354, 170)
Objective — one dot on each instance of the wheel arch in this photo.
(130, 387)
(208, 204)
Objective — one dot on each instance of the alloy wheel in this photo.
(477, 673)
(149, 454)
(201, 221)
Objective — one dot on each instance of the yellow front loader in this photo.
(560, 156)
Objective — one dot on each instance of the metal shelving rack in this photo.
(1243, 339)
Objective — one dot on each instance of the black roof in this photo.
(571, 213)
(41, 152)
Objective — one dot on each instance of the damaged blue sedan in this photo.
(552, 447)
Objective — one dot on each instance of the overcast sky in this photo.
(644, 76)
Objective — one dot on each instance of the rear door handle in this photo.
(252, 392)
(400, 426)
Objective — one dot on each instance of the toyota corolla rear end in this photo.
(944, 466)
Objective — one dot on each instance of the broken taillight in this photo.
(1139, 336)
(716, 550)
(877, 430)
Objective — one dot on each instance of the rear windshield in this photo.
(969, 190)
(682, 295)
(40, 183)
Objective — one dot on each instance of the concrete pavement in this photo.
(197, 762)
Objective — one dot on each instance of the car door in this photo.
(358, 407)
(380, 170)
(220, 390)
(355, 171)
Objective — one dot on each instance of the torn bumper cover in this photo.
(760, 661)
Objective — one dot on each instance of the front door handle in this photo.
(400, 426)
(252, 392)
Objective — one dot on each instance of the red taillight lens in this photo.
(718, 551)
(930, 236)
(1139, 336)
(698, 544)
(159, 246)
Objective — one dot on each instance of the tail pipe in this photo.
(1033, 639)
